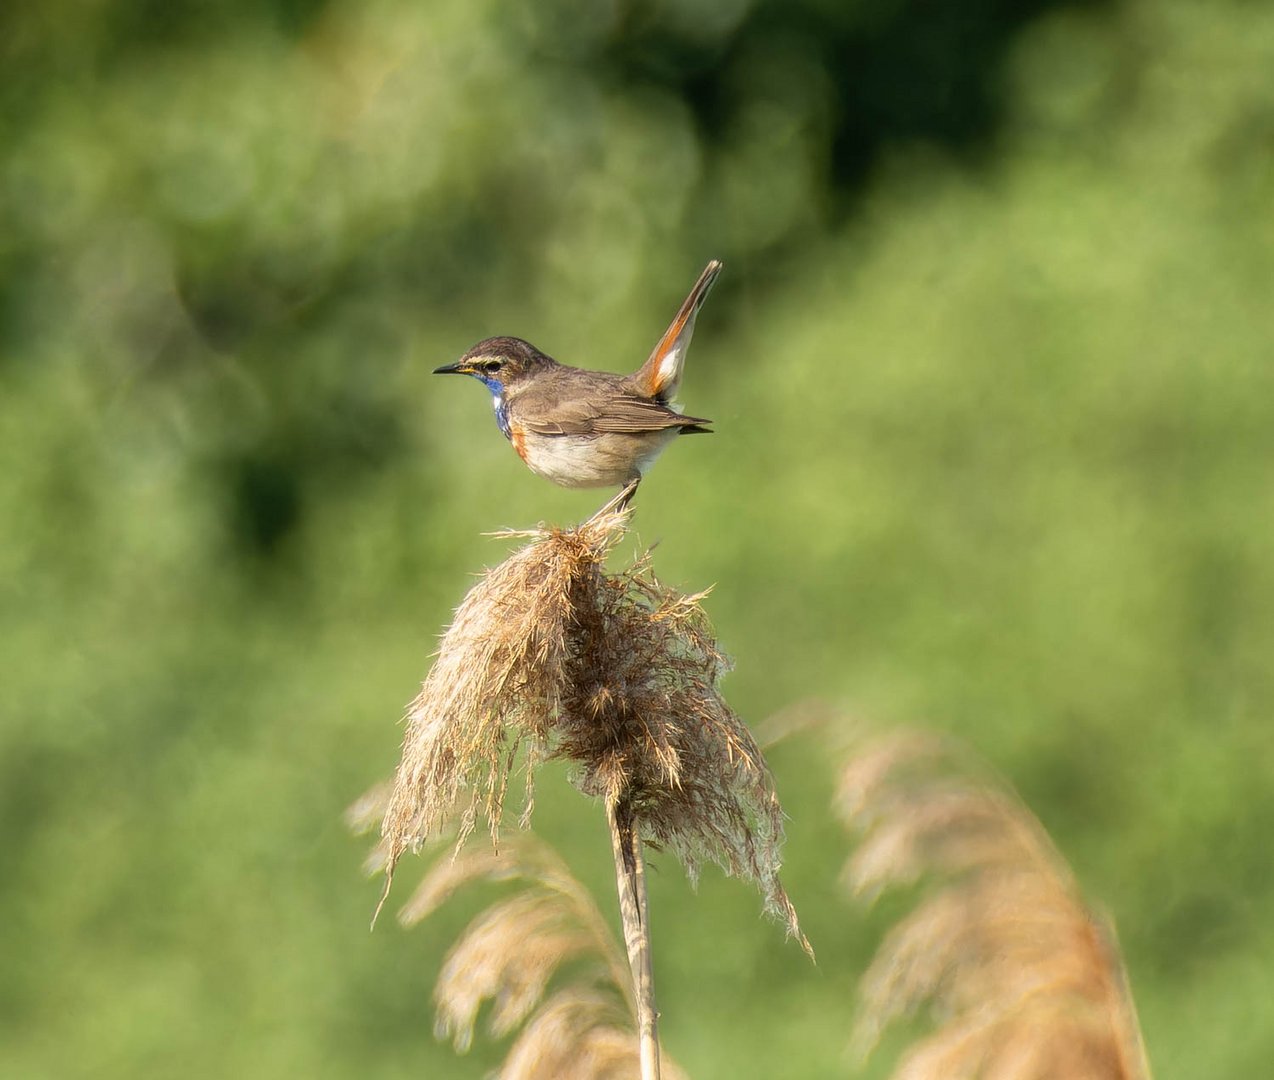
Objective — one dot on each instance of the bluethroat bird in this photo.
(583, 428)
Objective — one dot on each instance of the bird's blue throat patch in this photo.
(501, 405)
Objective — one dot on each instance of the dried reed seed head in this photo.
(494, 685)
(1002, 946)
(507, 956)
(368, 810)
(613, 672)
(1037, 1044)
(448, 875)
(577, 1036)
(542, 873)
(944, 830)
(549, 931)
(365, 814)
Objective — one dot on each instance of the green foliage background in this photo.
(992, 374)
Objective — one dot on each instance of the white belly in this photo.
(609, 460)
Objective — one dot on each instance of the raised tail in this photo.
(660, 375)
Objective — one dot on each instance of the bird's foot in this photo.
(625, 497)
(619, 502)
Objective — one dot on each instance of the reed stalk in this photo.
(630, 879)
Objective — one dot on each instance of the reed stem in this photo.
(630, 878)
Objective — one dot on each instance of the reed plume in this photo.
(551, 654)
(1024, 980)
(546, 960)
(613, 672)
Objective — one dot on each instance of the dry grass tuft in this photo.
(1025, 982)
(510, 954)
(613, 672)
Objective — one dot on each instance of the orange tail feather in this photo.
(660, 375)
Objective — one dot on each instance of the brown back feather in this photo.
(575, 401)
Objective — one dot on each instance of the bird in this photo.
(586, 429)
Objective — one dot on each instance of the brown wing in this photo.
(610, 414)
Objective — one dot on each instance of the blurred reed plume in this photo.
(1023, 979)
(583, 1028)
(613, 672)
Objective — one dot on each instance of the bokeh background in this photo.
(992, 373)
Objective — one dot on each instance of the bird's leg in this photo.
(618, 503)
(625, 497)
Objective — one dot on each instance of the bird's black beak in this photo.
(457, 368)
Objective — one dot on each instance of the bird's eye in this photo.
(491, 366)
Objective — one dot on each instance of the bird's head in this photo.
(500, 362)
